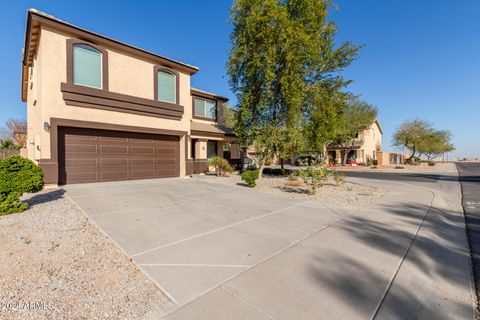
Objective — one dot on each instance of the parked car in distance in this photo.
(305, 160)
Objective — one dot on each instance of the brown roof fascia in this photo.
(208, 95)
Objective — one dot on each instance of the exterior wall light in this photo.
(46, 126)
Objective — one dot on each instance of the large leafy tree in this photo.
(357, 116)
(283, 59)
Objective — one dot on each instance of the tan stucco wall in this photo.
(127, 75)
(201, 149)
(372, 141)
(34, 108)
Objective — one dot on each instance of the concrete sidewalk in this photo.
(233, 253)
(396, 260)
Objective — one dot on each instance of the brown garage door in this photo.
(91, 155)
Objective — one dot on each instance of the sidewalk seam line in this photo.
(389, 286)
(229, 292)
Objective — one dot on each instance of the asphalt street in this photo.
(469, 175)
(396, 176)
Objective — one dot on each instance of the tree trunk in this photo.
(281, 163)
(411, 156)
(260, 171)
(345, 157)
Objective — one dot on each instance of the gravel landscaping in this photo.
(56, 265)
(348, 194)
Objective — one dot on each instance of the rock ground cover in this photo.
(349, 195)
(51, 255)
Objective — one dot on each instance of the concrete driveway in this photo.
(229, 252)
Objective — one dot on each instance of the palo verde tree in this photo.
(283, 53)
(436, 143)
(420, 138)
(354, 118)
(410, 135)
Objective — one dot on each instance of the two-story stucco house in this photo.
(102, 110)
(366, 146)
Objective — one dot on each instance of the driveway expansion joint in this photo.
(217, 229)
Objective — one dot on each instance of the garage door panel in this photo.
(81, 162)
(113, 162)
(143, 174)
(112, 149)
(166, 151)
(142, 162)
(80, 148)
(113, 175)
(166, 161)
(165, 173)
(82, 177)
(79, 140)
(142, 150)
(80, 169)
(89, 155)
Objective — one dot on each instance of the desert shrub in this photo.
(222, 167)
(338, 177)
(369, 162)
(373, 167)
(314, 176)
(17, 176)
(250, 177)
(431, 163)
(277, 171)
(399, 167)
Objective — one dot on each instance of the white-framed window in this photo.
(167, 86)
(87, 66)
(205, 108)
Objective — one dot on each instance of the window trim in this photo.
(70, 44)
(157, 69)
(201, 117)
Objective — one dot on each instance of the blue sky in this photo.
(421, 58)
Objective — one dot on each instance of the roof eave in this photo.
(49, 20)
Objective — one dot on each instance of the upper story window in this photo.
(87, 66)
(167, 86)
(205, 108)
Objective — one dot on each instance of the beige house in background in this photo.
(367, 145)
(102, 110)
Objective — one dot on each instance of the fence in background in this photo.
(7, 153)
(385, 158)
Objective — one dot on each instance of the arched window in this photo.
(166, 86)
(87, 66)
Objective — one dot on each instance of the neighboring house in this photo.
(102, 110)
(366, 146)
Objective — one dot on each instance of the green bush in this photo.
(314, 177)
(17, 176)
(222, 167)
(250, 177)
